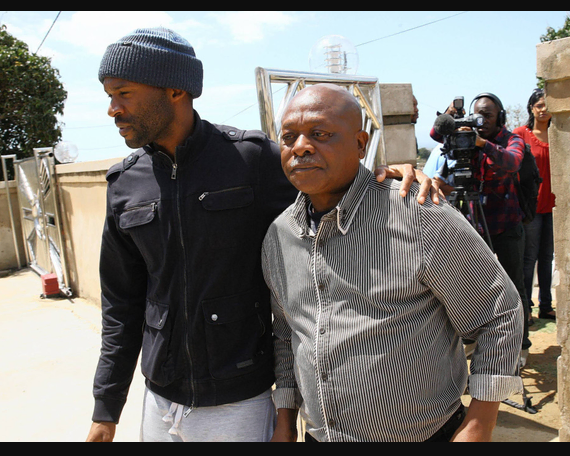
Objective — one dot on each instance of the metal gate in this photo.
(40, 217)
(365, 89)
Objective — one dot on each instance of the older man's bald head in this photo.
(330, 97)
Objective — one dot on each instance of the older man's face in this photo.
(321, 147)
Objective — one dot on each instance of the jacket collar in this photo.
(343, 213)
(188, 148)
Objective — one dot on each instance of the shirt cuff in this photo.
(494, 388)
(289, 398)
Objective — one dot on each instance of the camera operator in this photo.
(497, 157)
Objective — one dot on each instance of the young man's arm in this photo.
(408, 174)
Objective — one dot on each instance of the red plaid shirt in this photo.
(498, 162)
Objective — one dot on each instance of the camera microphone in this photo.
(444, 125)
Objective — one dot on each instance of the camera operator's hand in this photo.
(479, 142)
(452, 111)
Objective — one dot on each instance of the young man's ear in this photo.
(178, 94)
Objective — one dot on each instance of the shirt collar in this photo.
(502, 132)
(343, 213)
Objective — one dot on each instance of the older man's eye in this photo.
(287, 137)
(322, 134)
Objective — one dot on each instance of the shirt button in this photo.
(214, 317)
(322, 330)
(321, 285)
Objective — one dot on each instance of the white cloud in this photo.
(91, 31)
(251, 26)
(94, 30)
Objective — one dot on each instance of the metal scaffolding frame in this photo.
(365, 89)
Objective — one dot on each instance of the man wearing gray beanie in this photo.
(180, 254)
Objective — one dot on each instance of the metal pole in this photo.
(12, 222)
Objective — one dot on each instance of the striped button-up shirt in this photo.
(369, 312)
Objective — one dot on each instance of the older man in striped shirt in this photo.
(372, 295)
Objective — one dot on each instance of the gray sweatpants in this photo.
(251, 420)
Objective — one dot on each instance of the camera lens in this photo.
(463, 142)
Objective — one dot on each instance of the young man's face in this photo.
(142, 113)
(321, 147)
(490, 112)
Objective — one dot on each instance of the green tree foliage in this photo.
(31, 95)
(552, 35)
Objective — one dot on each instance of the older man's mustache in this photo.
(305, 161)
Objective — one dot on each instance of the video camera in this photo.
(459, 145)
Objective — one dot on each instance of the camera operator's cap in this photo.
(157, 57)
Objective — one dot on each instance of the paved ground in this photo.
(49, 349)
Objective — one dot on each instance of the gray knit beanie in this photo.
(154, 56)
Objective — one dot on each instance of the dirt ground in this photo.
(540, 380)
(50, 349)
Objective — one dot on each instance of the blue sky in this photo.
(460, 54)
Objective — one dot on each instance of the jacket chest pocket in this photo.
(141, 223)
(228, 213)
(137, 215)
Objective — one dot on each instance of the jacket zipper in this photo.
(173, 172)
(203, 195)
(185, 283)
(140, 206)
(173, 176)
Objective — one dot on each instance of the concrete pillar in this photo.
(553, 65)
(399, 132)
